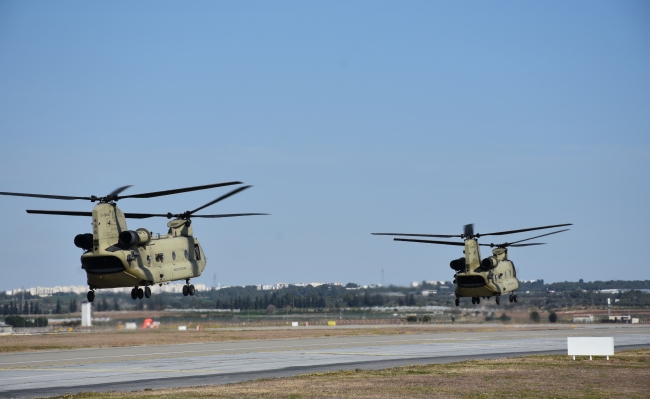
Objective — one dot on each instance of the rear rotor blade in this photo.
(179, 190)
(532, 238)
(526, 245)
(416, 235)
(500, 233)
(460, 244)
(61, 197)
(223, 197)
(228, 215)
(64, 213)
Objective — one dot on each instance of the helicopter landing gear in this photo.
(457, 301)
(90, 296)
(134, 294)
(498, 299)
(513, 298)
(476, 300)
(147, 292)
(140, 293)
(188, 289)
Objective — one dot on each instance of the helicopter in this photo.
(493, 276)
(115, 256)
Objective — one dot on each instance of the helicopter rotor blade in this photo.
(500, 233)
(61, 197)
(223, 197)
(64, 213)
(513, 244)
(228, 215)
(527, 245)
(417, 235)
(178, 190)
(460, 244)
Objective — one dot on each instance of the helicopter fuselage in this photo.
(476, 279)
(143, 259)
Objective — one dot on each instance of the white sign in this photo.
(129, 326)
(86, 315)
(182, 328)
(294, 324)
(590, 346)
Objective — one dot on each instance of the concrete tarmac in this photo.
(35, 374)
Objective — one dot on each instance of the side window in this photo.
(173, 255)
(148, 259)
(187, 255)
(160, 257)
(197, 252)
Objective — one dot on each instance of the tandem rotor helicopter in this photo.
(116, 257)
(493, 276)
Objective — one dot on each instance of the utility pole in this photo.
(382, 277)
(22, 304)
(214, 282)
(609, 307)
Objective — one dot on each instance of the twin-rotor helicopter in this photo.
(482, 278)
(115, 256)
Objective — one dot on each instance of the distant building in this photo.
(583, 318)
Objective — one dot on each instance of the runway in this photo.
(35, 374)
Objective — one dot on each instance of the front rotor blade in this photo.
(61, 197)
(532, 238)
(223, 197)
(500, 233)
(527, 245)
(143, 215)
(460, 244)
(64, 213)
(117, 191)
(179, 190)
(228, 215)
(416, 235)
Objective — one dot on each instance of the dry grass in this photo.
(626, 375)
(76, 340)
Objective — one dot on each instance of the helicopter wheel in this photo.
(510, 298)
(191, 290)
(91, 296)
(478, 300)
(473, 300)
(147, 292)
(457, 301)
(140, 293)
(134, 294)
(514, 298)
(185, 290)
(498, 300)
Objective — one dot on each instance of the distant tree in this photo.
(139, 305)
(116, 306)
(73, 306)
(426, 318)
(270, 309)
(37, 310)
(411, 319)
(552, 317)
(534, 316)
(57, 310)
(351, 285)
(504, 317)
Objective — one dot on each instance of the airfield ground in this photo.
(163, 336)
(552, 376)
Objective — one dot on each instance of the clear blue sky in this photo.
(347, 117)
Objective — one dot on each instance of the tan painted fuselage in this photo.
(153, 260)
(475, 281)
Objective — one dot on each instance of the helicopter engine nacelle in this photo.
(458, 264)
(489, 263)
(84, 241)
(129, 238)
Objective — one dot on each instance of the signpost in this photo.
(590, 346)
